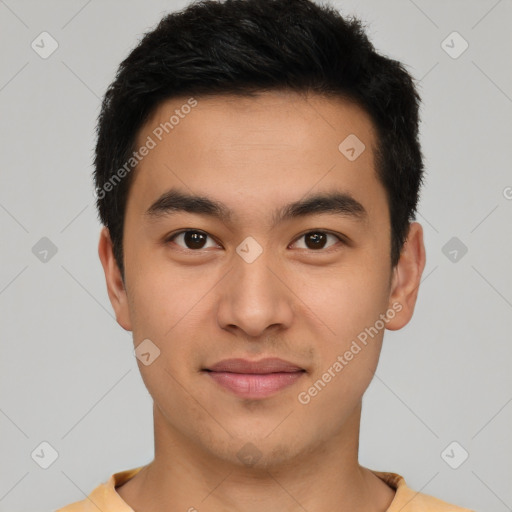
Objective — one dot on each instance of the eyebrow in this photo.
(334, 203)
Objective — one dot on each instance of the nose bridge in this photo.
(253, 298)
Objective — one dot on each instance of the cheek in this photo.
(161, 296)
(349, 352)
(348, 303)
(169, 307)
(343, 300)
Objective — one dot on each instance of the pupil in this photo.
(315, 240)
(194, 240)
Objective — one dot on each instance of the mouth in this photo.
(254, 379)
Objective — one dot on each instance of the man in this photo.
(258, 172)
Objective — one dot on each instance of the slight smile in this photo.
(255, 379)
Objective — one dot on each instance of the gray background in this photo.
(68, 375)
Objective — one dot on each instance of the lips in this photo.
(263, 366)
(254, 379)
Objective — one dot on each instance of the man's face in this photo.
(255, 284)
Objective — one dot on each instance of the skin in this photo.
(199, 306)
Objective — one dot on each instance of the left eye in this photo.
(317, 240)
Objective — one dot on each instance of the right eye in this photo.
(190, 239)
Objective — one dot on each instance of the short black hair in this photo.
(244, 47)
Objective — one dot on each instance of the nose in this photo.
(255, 297)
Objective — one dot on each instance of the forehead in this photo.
(272, 148)
(284, 119)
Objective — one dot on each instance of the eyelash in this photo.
(340, 238)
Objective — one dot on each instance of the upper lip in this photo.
(266, 365)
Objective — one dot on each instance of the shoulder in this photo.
(77, 506)
(104, 497)
(409, 500)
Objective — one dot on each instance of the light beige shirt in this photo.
(106, 499)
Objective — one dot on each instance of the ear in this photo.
(406, 278)
(115, 286)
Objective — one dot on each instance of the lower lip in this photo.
(254, 385)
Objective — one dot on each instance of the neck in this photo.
(326, 476)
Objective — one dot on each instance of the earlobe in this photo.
(115, 286)
(407, 277)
